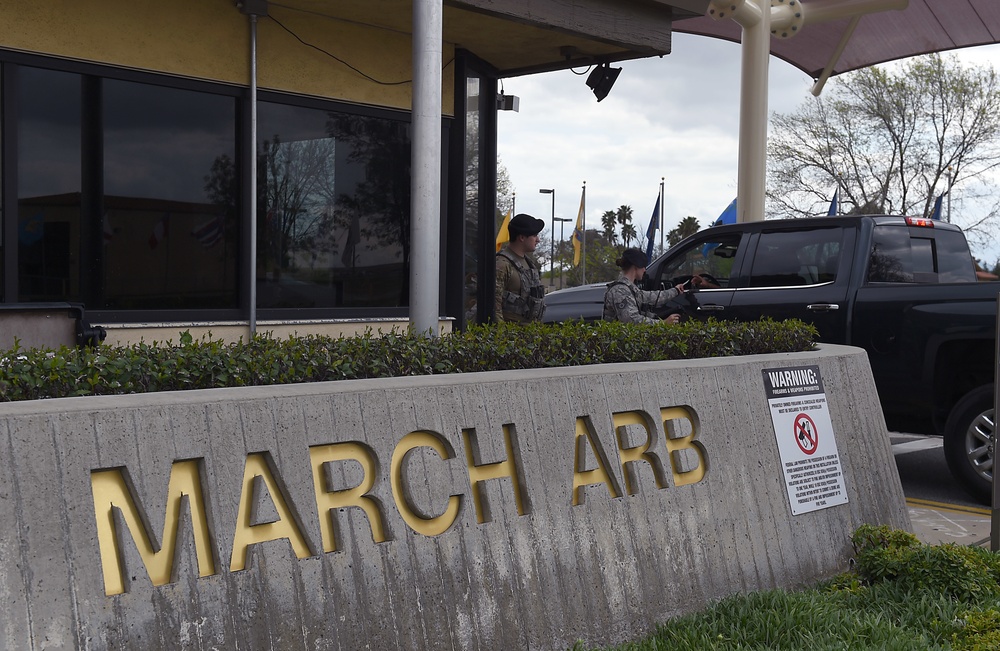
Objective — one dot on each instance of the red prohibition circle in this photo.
(806, 435)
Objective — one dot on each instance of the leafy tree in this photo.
(687, 226)
(505, 192)
(600, 256)
(889, 137)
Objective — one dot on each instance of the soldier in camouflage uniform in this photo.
(623, 301)
(519, 295)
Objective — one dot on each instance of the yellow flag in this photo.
(504, 234)
(578, 232)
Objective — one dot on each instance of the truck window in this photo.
(713, 257)
(795, 258)
(918, 255)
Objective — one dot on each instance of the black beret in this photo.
(635, 257)
(523, 224)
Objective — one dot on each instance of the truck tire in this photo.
(968, 442)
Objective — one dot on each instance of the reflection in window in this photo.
(333, 209)
(150, 219)
(48, 192)
(472, 151)
(712, 259)
(904, 255)
(793, 258)
(171, 198)
(890, 260)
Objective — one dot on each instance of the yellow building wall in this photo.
(210, 40)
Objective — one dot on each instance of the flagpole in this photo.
(662, 179)
(583, 238)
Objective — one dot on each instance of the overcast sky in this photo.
(675, 117)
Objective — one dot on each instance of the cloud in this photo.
(674, 117)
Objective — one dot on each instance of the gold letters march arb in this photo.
(113, 492)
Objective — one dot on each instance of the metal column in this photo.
(425, 200)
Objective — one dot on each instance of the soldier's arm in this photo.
(503, 275)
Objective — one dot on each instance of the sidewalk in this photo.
(936, 523)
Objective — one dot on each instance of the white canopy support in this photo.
(759, 19)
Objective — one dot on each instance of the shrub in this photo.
(208, 363)
(964, 573)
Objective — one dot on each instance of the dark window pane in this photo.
(171, 198)
(793, 258)
(906, 255)
(333, 209)
(891, 261)
(49, 181)
(954, 264)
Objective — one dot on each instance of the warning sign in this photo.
(806, 443)
(805, 433)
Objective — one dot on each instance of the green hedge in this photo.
(208, 363)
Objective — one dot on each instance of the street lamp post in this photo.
(561, 222)
(552, 244)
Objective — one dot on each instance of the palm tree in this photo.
(608, 221)
(624, 218)
(687, 226)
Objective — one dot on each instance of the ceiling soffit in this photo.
(527, 36)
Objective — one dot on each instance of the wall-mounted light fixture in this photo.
(601, 79)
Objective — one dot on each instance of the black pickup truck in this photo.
(902, 288)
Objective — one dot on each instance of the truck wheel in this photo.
(968, 442)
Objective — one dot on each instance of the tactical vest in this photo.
(530, 303)
(609, 313)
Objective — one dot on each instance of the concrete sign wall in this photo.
(525, 509)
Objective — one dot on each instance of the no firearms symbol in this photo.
(806, 434)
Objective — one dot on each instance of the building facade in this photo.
(131, 140)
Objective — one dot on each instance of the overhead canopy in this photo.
(924, 26)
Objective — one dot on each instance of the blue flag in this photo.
(936, 213)
(654, 223)
(728, 215)
(832, 212)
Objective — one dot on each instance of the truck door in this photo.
(801, 274)
(717, 258)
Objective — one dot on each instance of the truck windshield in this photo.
(919, 255)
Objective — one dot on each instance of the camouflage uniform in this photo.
(519, 295)
(625, 302)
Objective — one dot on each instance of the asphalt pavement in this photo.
(940, 512)
(936, 523)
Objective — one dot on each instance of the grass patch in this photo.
(902, 595)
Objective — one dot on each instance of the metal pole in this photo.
(662, 210)
(583, 237)
(756, 50)
(948, 214)
(562, 238)
(252, 323)
(552, 238)
(552, 256)
(425, 201)
(995, 512)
